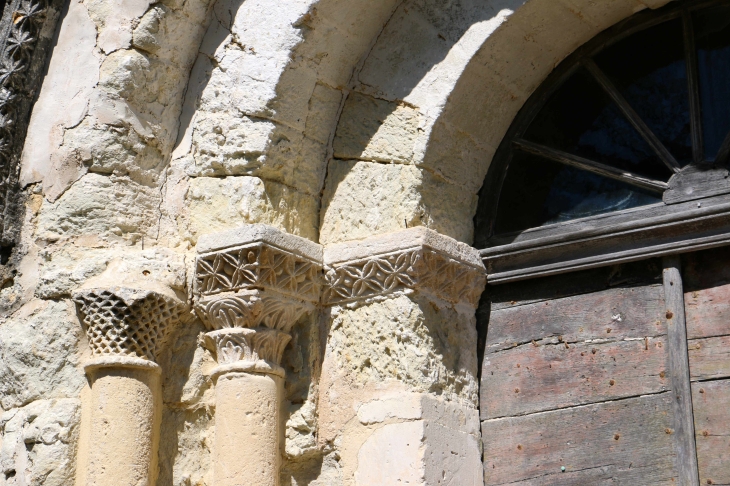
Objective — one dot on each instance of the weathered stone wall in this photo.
(161, 122)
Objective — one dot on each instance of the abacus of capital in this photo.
(126, 327)
(251, 286)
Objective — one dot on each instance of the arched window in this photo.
(634, 126)
(603, 224)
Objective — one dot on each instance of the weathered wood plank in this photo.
(625, 312)
(709, 358)
(712, 428)
(530, 379)
(575, 283)
(679, 374)
(619, 442)
(708, 312)
(697, 182)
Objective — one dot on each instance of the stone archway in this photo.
(322, 119)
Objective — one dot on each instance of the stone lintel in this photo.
(415, 258)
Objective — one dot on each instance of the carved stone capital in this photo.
(248, 345)
(127, 322)
(413, 259)
(252, 284)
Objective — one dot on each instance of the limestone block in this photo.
(375, 129)
(228, 145)
(323, 108)
(363, 198)
(420, 36)
(65, 268)
(457, 156)
(186, 441)
(392, 455)
(600, 14)
(404, 339)
(37, 443)
(185, 369)
(39, 346)
(73, 72)
(109, 207)
(115, 20)
(413, 438)
(217, 204)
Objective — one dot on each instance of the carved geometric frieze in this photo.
(258, 256)
(130, 322)
(417, 259)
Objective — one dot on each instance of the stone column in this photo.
(125, 328)
(398, 393)
(252, 285)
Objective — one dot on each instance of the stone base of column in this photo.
(125, 414)
(247, 427)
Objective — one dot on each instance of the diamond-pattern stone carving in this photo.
(420, 268)
(258, 265)
(127, 322)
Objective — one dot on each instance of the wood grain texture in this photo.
(559, 286)
(534, 378)
(679, 374)
(625, 312)
(709, 358)
(708, 312)
(616, 442)
(697, 182)
(712, 430)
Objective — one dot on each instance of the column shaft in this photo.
(125, 424)
(247, 428)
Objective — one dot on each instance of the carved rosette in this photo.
(450, 270)
(127, 325)
(249, 296)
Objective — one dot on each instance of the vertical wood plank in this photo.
(679, 372)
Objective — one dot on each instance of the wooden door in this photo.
(586, 377)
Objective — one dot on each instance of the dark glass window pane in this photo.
(649, 70)
(712, 35)
(537, 191)
(581, 119)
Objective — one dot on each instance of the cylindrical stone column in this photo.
(252, 285)
(246, 448)
(249, 386)
(125, 328)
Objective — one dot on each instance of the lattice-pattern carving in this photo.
(260, 266)
(131, 325)
(422, 268)
(249, 309)
(243, 344)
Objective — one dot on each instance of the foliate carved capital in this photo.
(127, 322)
(250, 345)
(249, 309)
(415, 259)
